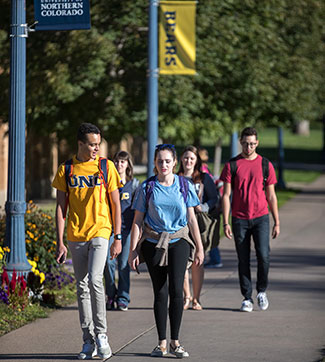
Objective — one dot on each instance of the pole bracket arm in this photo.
(153, 73)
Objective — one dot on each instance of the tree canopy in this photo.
(259, 62)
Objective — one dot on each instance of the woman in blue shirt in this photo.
(162, 222)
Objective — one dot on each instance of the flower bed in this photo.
(46, 285)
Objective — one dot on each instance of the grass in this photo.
(12, 319)
(300, 176)
(297, 148)
(269, 138)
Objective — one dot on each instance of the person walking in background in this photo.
(84, 183)
(205, 188)
(120, 294)
(251, 179)
(214, 253)
(164, 214)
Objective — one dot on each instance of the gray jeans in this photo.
(89, 259)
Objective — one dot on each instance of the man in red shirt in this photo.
(250, 215)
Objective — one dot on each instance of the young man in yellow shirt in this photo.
(89, 226)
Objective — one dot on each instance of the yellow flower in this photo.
(36, 272)
(42, 276)
(6, 249)
(28, 212)
(33, 226)
(36, 258)
(32, 263)
(54, 242)
(1, 256)
(31, 235)
(28, 241)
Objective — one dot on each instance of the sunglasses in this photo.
(164, 146)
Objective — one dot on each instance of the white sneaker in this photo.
(89, 350)
(246, 306)
(178, 351)
(262, 301)
(103, 348)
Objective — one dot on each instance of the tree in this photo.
(96, 75)
(259, 62)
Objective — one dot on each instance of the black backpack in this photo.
(233, 170)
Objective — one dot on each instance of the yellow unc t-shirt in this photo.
(89, 214)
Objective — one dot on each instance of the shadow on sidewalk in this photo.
(287, 258)
(39, 356)
(322, 354)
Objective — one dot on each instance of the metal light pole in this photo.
(16, 205)
(152, 95)
(281, 182)
(234, 144)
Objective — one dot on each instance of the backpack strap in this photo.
(265, 169)
(68, 172)
(183, 182)
(103, 169)
(233, 170)
(135, 184)
(150, 184)
(103, 172)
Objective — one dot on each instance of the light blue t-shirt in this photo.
(167, 210)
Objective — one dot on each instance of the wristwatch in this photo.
(118, 237)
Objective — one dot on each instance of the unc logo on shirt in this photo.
(84, 181)
(125, 196)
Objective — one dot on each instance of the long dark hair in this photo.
(165, 147)
(123, 155)
(197, 173)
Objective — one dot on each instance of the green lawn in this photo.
(269, 138)
(297, 148)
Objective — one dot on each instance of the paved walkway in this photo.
(292, 329)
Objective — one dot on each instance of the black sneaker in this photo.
(110, 304)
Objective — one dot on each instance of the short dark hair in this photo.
(86, 128)
(248, 131)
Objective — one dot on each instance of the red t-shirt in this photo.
(248, 198)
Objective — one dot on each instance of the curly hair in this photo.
(86, 128)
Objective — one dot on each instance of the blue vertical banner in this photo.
(62, 14)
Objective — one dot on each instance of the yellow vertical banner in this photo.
(177, 37)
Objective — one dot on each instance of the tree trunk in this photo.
(217, 158)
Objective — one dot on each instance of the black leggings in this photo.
(178, 254)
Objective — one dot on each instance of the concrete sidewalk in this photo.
(292, 329)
